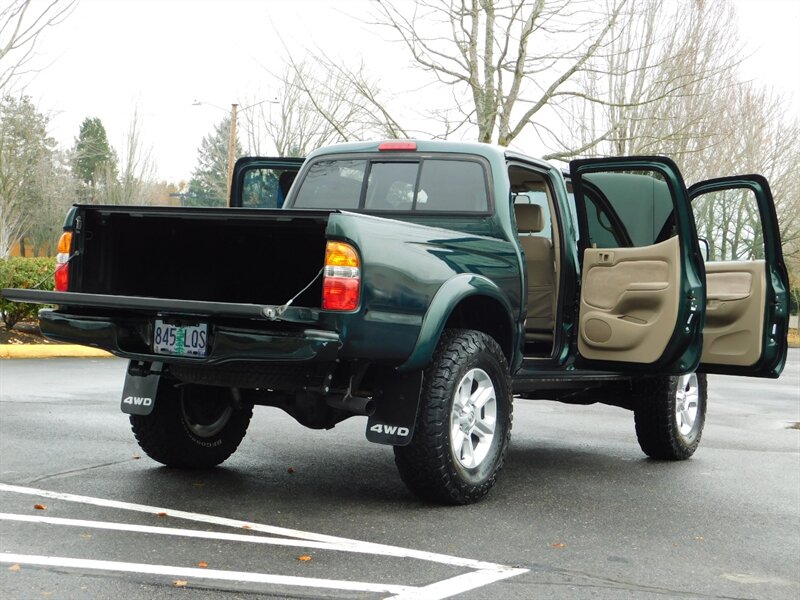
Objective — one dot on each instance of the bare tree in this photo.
(319, 105)
(57, 193)
(511, 58)
(135, 183)
(21, 24)
(26, 153)
(652, 89)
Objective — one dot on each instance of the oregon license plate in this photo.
(180, 340)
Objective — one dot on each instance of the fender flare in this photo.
(447, 297)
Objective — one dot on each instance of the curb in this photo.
(50, 351)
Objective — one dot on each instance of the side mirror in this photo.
(707, 246)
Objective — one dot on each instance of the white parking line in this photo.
(195, 573)
(192, 533)
(483, 573)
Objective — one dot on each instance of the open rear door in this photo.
(262, 182)
(747, 306)
(641, 294)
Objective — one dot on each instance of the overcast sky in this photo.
(111, 56)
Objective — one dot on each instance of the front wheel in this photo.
(669, 413)
(464, 421)
(191, 426)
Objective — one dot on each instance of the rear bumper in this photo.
(129, 337)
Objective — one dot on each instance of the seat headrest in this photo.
(530, 218)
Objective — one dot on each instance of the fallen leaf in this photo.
(246, 527)
(558, 545)
(202, 564)
(39, 507)
(290, 470)
(161, 514)
(15, 568)
(86, 536)
(181, 583)
(304, 558)
(136, 457)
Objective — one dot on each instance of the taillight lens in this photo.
(341, 282)
(62, 262)
(397, 146)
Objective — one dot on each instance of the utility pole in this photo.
(232, 150)
(232, 142)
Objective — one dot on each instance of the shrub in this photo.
(24, 273)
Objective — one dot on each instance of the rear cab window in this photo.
(398, 184)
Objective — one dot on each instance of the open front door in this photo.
(747, 301)
(641, 293)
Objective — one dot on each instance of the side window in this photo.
(627, 209)
(728, 220)
(452, 185)
(266, 188)
(332, 184)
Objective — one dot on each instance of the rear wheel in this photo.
(464, 421)
(669, 413)
(191, 426)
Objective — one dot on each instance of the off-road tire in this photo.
(191, 426)
(656, 415)
(429, 465)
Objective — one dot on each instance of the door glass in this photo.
(729, 221)
(627, 209)
(266, 187)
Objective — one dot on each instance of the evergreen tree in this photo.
(209, 183)
(94, 160)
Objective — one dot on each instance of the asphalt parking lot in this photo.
(579, 512)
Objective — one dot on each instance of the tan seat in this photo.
(540, 262)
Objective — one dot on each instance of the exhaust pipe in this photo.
(353, 404)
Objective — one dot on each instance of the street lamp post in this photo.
(234, 114)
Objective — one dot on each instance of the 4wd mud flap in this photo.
(396, 411)
(141, 385)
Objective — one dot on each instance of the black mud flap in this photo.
(396, 410)
(141, 385)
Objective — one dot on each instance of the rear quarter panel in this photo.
(404, 265)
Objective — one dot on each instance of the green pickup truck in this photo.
(424, 284)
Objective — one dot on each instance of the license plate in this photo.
(180, 340)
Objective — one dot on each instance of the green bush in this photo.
(24, 273)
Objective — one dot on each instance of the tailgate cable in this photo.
(58, 266)
(273, 313)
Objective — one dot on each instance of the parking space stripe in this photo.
(483, 573)
(192, 533)
(457, 585)
(345, 543)
(195, 573)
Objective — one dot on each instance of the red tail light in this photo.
(341, 283)
(62, 262)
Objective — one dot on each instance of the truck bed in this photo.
(212, 255)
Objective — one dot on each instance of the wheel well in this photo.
(485, 314)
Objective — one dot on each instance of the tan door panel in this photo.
(735, 300)
(629, 302)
